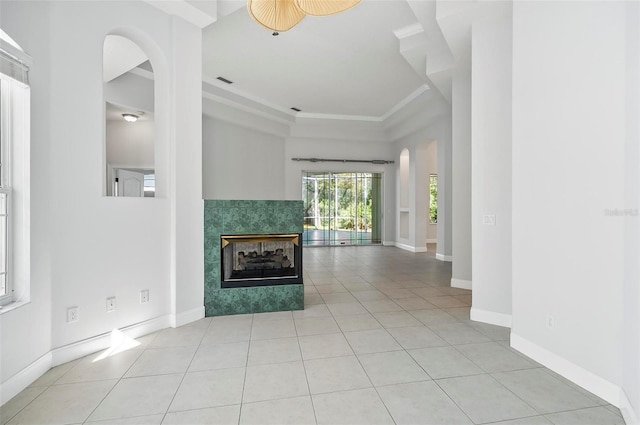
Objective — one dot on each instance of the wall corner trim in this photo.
(576, 374)
(490, 317)
(188, 316)
(411, 248)
(461, 283)
(443, 257)
(626, 408)
(21, 380)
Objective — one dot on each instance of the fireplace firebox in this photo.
(260, 260)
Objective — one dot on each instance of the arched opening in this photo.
(129, 95)
(403, 219)
(431, 186)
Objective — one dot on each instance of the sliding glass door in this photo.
(342, 208)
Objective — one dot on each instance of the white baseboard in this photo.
(411, 248)
(461, 283)
(628, 414)
(443, 257)
(76, 350)
(432, 240)
(189, 316)
(21, 380)
(100, 342)
(490, 317)
(576, 374)
(388, 243)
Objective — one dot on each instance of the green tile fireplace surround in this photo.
(230, 217)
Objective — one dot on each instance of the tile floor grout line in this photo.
(184, 375)
(405, 350)
(365, 370)
(306, 376)
(25, 406)
(114, 385)
(246, 368)
(435, 381)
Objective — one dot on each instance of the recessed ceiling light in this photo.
(130, 117)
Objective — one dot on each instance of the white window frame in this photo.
(5, 187)
(15, 115)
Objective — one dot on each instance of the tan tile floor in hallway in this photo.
(382, 340)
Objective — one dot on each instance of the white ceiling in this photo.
(120, 55)
(348, 64)
(363, 64)
(114, 112)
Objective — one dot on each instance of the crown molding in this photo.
(409, 31)
(244, 100)
(185, 11)
(222, 90)
(404, 102)
(415, 112)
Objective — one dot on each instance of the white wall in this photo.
(87, 247)
(242, 163)
(130, 144)
(461, 176)
(491, 169)
(426, 149)
(32, 320)
(569, 98)
(446, 185)
(105, 246)
(131, 90)
(631, 290)
(185, 178)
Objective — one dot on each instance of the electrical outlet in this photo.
(551, 322)
(144, 296)
(489, 220)
(72, 315)
(111, 304)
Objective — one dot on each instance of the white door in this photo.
(130, 183)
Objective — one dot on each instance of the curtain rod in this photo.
(372, 161)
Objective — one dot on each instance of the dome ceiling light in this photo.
(130, 117)
(282, 15)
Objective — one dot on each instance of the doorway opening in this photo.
(342, 208)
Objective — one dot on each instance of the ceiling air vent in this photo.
(224, 80)
(296, 109)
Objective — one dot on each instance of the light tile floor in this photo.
(383, 339)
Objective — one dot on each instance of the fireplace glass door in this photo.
(259, 260)
(342, 208)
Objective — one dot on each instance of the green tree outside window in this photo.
(433, 198)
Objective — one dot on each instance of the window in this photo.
(5, 193)
(14, 172)
(4, 245)
(433, 198)
(342, 208)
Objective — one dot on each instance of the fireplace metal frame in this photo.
(295, 238)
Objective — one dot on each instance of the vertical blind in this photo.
(14, 63)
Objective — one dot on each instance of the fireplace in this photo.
(260, 260)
